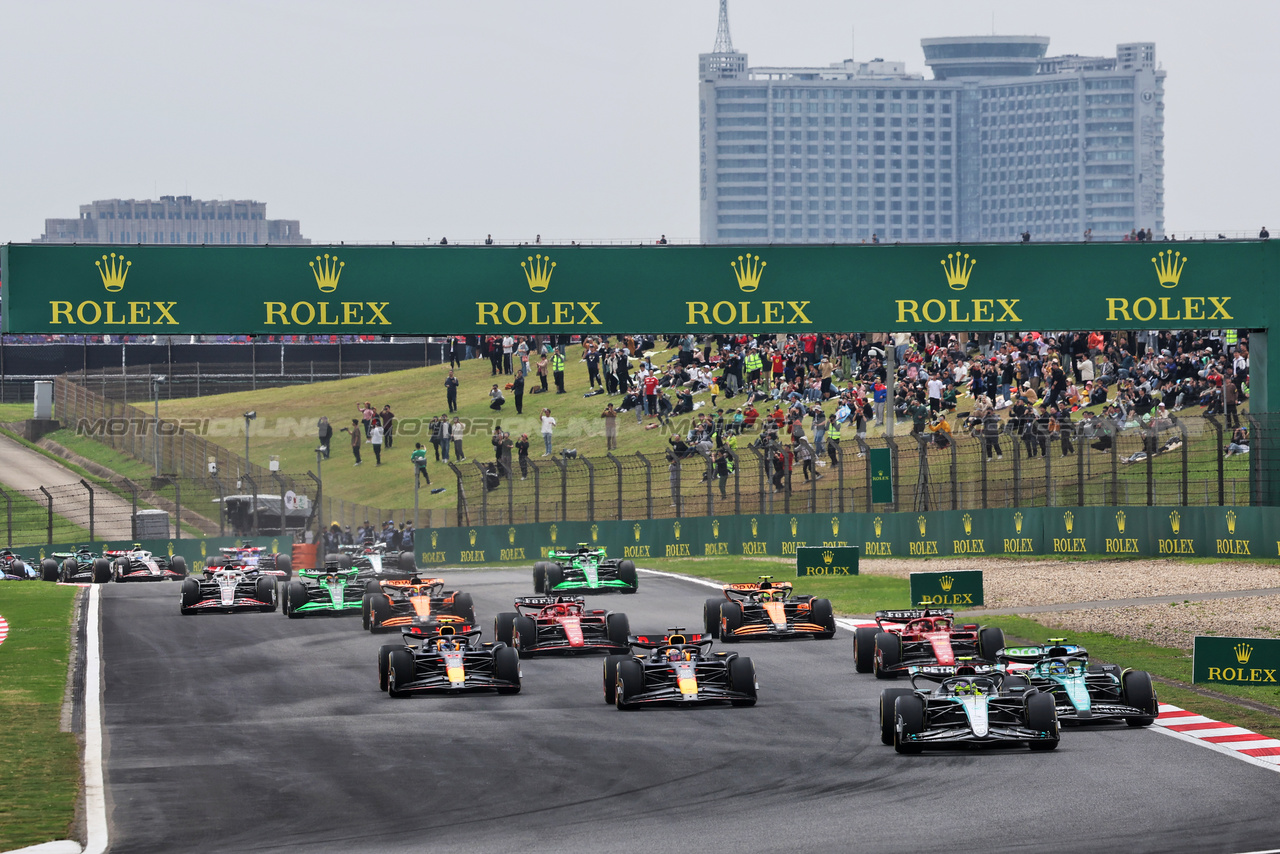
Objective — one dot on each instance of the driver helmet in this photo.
(675, 654)
(560, 610)
(1058, 667)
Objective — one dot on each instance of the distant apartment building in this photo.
(1001, 140)
(173, 220)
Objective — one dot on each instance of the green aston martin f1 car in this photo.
(583, 570)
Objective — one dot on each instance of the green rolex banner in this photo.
(812, 560)
(1235, 661)
(962, 589)
(880, 460)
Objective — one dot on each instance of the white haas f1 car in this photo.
(966, 705)
(917, 637)
(138, 564)
(253, 560)
(227, 590)
(561, 624)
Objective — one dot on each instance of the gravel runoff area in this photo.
(1013, 583)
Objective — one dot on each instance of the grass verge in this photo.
(39, 765)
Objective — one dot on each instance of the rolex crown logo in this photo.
(1175, 520)
(755, 526)
(327, 271)
(748, 270)
(1069, 519)
(715, 528)
(878, 523)
(1120, 521)
(794, 523)
(511, 536)
(946, 581)
(1231, 522)
(958, 268)
(595, 533)
(435, 539)
(827, 557)
(113, 271)
(203, 549)
(968, 525)
(635, 529)
(538, 270)
(472, 536)
(1017, 522)
(921, 522)
(1169, 268)
(553, 533)
(835, 526)
(676, 528)
(1243, 651)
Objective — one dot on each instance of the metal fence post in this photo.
(617, 464)
(1218, 451)
(1149, 445)
(222, 505)
(275, 475)
(1182, 429)
(1048, 473)
(1115, 466)
(537, 492)
(177, 506)
(897, 478)
(89, 489)
(648, 485)
(737, 489)
(316, 513)
(955, 476)
(1082, 450)
(50, 500)
(564, 488)
(677, 493)
(1016, 447)
(982, 457)
(484, 492)
(591, 489)
(253, 508)
(710, 479)
(8, 500)
(840, 473)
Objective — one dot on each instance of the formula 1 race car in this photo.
(138, 564)
(253, 560)
(228, 589)
(561, 624)
(79, 567)
(448, 661)
(391, 603)
(767, 609)
(319, 591)
(920, 636)
(679, 669)
(372, 560)
(14, 567)
(584, 570)
(1084, 692)
(966, 705)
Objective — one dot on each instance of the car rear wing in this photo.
(409, 582)
(673, 639)
(1032, 654)
(431, 627)
(913, 614)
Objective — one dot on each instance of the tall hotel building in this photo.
(1002, 139)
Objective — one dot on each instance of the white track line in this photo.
(95, 801)
(1170, 715)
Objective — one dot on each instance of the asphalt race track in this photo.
(253, 732)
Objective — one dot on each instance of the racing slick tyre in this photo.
(1137, 691)
(506, 666)
(101, 571)
(345, 561)
(284, 563)
(730, 621)
(554, 575)
(49, 569)
(405, 562)
(525, 633)
(372, 587)
(464, 607)
(888, 654)
(1013, 682)
(379, 612)
(888, 697)
(864, 649)
(364, 611)
(618, 628)
(69, 569)
(384, 663)
(504, 626)
(908, 714)
(331, 558)
(711, 617)
(178, 564)
(296, 599)
(1042, 714)
(630, 683)
(611, 663)
(119, 568)
(399, 671)
(265, 587)
(820, 612)
(990, 641)
(627, 575)
(540, 577)
(190, 594)
(742, 679)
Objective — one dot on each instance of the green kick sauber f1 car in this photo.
(583, 570)
(332, 590)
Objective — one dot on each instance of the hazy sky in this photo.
(576, 119)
